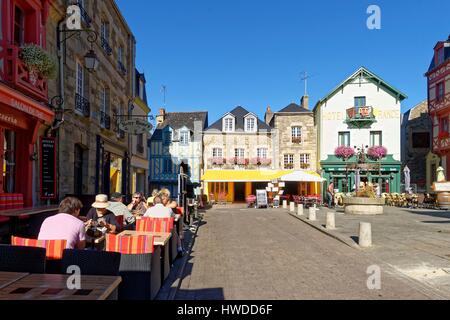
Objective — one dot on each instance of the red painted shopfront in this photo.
(23, 96)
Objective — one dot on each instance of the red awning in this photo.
(25, 104)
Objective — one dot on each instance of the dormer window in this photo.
(440, 55)
(228, 124)
(250, 124)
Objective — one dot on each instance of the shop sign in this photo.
(48, 168)
(9, 119)
(135, 126)
(261, 198)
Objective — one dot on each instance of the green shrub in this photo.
(37, 59)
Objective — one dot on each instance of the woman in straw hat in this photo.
(100, 214)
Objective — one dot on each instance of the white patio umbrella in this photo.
(357, 179)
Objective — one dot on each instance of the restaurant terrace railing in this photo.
(360, 116)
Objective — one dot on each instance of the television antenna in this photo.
(164, 91)
(305, 77)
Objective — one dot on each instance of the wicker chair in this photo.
(140, 266)
(22, 259)
(92, 262)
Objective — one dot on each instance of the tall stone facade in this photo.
(295, 135)
(416, 143)
(93, 153)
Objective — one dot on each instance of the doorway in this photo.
(239, 192)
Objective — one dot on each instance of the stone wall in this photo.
(78, 129)
(283, 124)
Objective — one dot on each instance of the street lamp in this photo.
(91, 61)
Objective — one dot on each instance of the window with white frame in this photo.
(80, 79)
(184, 137)
(261, 153)
(104, 100)
(104, 31)
(289, 161)
(120, 55)
(297, 134)
(217, 153)
(250, 124)
(239, 153)
(228, 124)
(305, 161)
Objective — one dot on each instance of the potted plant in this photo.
(377, 153)
(38, 61)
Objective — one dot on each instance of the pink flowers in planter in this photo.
(238, 161)
(217, 161)
(344, 152)
(377, 152)
(260, 161)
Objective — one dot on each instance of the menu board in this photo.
(261, 198)
(48, 168)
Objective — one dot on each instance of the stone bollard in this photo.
(331, 221)
(300, 209)
(365, 234)
(284, 204)
(292, 206)
(312, 214)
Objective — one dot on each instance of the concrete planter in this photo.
(364, 206)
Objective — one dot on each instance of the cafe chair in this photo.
(165, 225)
(22, 259)
(92, 262)
(140, 266)
(54, 251)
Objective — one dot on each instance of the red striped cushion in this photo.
(129, 244)
(154, 225)
(54, 248)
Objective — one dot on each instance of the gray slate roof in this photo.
(239, 113)
(293, 108)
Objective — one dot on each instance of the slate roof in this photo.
(239, 113)
(140, 76)
(446, 55)
(293, 108)
(178, 120)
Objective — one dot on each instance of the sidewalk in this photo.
(415, 242)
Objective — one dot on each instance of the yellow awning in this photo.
(243, 175)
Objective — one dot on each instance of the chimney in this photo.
(268, 116)
(305, 102)
(162, 116)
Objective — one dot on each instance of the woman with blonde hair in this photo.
(165, 197)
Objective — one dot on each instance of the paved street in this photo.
(267, 254)
(415, 242)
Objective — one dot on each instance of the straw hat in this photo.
(101, 202)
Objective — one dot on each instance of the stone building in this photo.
(93, 153)
(296, 141)
(416, 143)
(238, 156)
(138, 143)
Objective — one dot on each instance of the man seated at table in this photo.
(100, 214)
(66, 225)
(158, 210)
(117, 207)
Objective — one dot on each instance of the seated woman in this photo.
(138, 205)
(66, 225)
(100, 215)
(164, 194)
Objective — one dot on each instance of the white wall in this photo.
(387, 112)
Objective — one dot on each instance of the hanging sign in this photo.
(135, 126)
(48, 168)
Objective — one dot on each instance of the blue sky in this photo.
(216, 54)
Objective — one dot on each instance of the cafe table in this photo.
(7, 278)
(55, 287)
(15, 214)
(159, 239)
